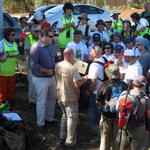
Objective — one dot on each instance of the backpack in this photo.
(103, 64)
(110, 106)
(127, 106)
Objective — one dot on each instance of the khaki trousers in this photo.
(69, 121)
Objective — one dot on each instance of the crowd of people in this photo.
(118, 58)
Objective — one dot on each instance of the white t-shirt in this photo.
(110, 57)
(104, 36)
(82, 29)
(142, 23)
(133, 71)
(96, 71)
(123, 69)
(80, 49)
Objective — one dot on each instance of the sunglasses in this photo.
(107, 48)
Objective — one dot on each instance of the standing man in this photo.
(66, 27)
(8, 63)
(68, 83)
(42, 61)
(134, 136)
(134, 68)
(31, 39)
(117, 23)
(96, 74)
(78, 46)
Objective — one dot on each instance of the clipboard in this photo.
(81, 66)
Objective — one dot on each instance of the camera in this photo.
(68, 34)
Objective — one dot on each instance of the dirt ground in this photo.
(46, 140)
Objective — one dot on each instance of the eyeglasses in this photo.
(50, 36)
(107, 47)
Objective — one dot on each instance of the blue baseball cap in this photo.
(96, 36)
(118, 48)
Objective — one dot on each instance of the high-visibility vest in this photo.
(8, 67)
(146, 31)
(118, 26)
(31, 39)
(110, 32)
(62, 39)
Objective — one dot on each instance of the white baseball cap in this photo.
(129, 52)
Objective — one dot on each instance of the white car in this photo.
(94, 13)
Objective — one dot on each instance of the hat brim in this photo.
(114, 14)
(110, 76)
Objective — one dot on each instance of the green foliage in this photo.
(15, 6)
(136, 3)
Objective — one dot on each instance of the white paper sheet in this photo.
(12, 116)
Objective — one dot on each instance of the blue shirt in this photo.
(42, 56)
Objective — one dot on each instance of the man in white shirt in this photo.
(134, 69)
(79, 48)
(96, 74)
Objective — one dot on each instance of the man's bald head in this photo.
(68, 51)
(68, 54)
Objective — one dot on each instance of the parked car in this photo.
(9, 21)
(44, 8)
(94, 13)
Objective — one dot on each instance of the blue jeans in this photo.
(94, 112)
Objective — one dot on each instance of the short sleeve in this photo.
(76, 75)
(93, 71)
(143, 23)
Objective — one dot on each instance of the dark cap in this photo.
(118, 48)
(100, 21)
(129, 39)
(96, 36)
